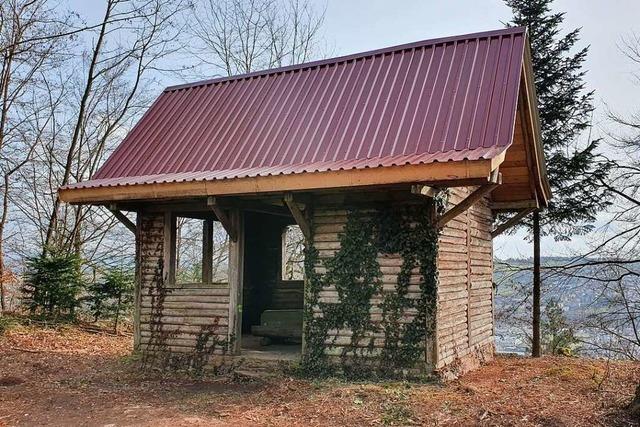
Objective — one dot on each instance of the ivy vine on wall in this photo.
(354, 273)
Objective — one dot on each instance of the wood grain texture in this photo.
(170, 317)
(464, 319)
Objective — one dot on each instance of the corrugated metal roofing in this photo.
(436, 100)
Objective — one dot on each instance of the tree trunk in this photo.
(3, 306)
(3, 221)
(115, 323)
(535, 342)
(53, 219)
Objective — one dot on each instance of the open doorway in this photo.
(273, 288)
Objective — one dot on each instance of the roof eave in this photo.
(464, 172)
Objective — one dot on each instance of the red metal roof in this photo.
(437, 100)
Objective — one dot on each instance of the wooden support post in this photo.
(123, 219)
(432, 347)
(511, 222)
(236, 269)
(169, 248)
(207, 250)
(301, 220)
(494, 181)
(137, 294)
(223, 218)
(536, 347)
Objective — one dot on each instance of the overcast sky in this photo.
(358, 25)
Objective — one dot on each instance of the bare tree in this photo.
(128, 48)
(293, 253)
(29, 55)
(619, 253)
(241, 36)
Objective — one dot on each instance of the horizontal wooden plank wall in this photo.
(183, 319)
(328, 224)
(464, 319)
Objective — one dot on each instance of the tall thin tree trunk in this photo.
(115, 323)
(79, 122)
(3, 221)
(5, 77)
(535, 345)
(3, 306)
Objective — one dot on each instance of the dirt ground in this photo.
(67, 376)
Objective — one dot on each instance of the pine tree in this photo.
(565, 107)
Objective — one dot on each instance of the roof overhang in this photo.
(464, 172)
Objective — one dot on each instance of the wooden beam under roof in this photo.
(223, 218)
(301, 220)
(424, 190)
(514, 205)
(511, 222)
(123, 219)
(494, 181)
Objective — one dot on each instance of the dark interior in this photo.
(263, 287)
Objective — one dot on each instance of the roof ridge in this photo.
(345, 58)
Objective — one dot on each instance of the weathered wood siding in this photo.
(464, 319)
(186, 319)
(328, 224)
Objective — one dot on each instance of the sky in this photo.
(358, 25)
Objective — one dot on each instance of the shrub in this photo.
(112, 295)
(52, 284)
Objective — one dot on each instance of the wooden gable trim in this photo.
(532, 125)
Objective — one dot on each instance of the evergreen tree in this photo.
(565, 107)
(52, 284)
(111, 295)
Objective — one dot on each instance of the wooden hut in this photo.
(393, 163)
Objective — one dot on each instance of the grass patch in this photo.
(396, 414)
(396, 411)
